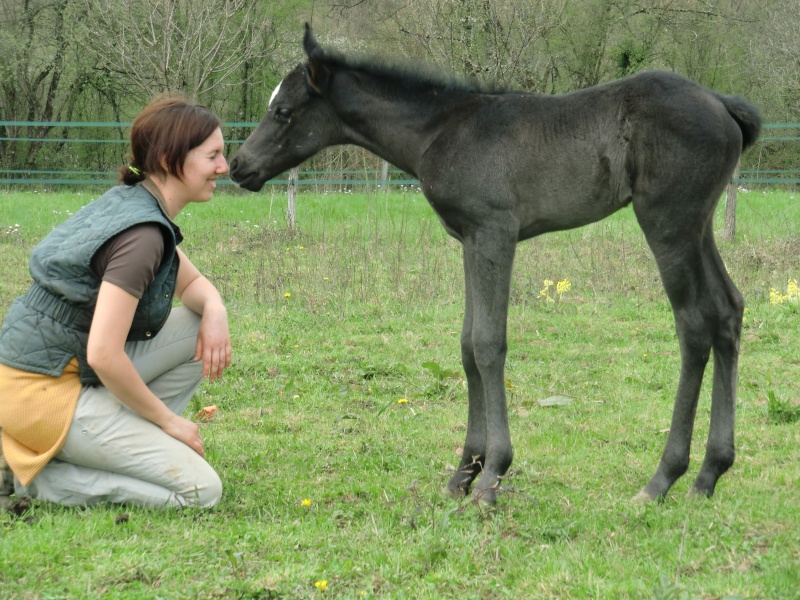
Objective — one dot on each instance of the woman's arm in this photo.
(213, 340)
(105, 353)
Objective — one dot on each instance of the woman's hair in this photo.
(163, 135)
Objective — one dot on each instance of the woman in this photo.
(96, 368)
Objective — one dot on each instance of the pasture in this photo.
(341, 418)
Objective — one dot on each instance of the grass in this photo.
(330, 478)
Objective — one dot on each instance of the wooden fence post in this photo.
(291, 212)
(730, 208)
(385, 176)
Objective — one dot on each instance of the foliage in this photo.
(782, 411)
(331, 481)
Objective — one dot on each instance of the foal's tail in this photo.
(746, 116)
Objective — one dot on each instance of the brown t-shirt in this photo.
(131, 258)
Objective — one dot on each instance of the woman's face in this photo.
(203, 165)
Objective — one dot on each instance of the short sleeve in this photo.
(130, 259)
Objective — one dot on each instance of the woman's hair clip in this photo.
(134, 170)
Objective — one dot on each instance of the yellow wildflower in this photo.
(306, 502)
(792, 294)
(792, 289)
(321, 585)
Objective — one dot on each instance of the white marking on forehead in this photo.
(274, 93)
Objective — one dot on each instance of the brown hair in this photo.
(163, 135)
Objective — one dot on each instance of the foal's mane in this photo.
(408, 75)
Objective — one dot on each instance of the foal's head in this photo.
(297, 125)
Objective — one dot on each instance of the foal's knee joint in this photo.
(720, 459)
(674, 465)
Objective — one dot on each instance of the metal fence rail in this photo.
(354, 178)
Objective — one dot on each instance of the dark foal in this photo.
(499, 168)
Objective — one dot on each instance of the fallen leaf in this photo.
(206, 413)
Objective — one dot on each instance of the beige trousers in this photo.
(111, 454)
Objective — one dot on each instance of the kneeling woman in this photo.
(96, 368)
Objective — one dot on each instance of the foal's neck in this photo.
(396, 125)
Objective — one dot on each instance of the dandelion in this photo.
(321, 585)
(402, 401)
(287, 295)
(306, 502)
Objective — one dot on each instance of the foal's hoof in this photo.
(458, 486)
(697, 493)
(642, 497)
(486, 496)
(455, 493)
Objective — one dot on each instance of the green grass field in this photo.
(333, 486)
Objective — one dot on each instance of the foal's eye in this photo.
(283, 114)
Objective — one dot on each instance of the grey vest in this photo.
(49, 325)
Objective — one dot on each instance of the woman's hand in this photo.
(213, 342)
(213, 339)
(185, 431)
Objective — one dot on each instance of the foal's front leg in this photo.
(488, 259)
(474, 451)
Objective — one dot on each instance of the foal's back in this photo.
(559, 162)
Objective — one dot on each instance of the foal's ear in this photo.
(315, 70)
(310, 44)
(316, 76)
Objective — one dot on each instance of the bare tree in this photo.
(41, 74)
(500, 40)
(781, 56)
(493, 40)
(177, 45)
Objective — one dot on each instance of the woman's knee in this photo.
(206, 491)
(211, 493)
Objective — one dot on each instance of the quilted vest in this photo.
(49, 325)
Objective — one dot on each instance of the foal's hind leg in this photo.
(707, 309)
(720, 450)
